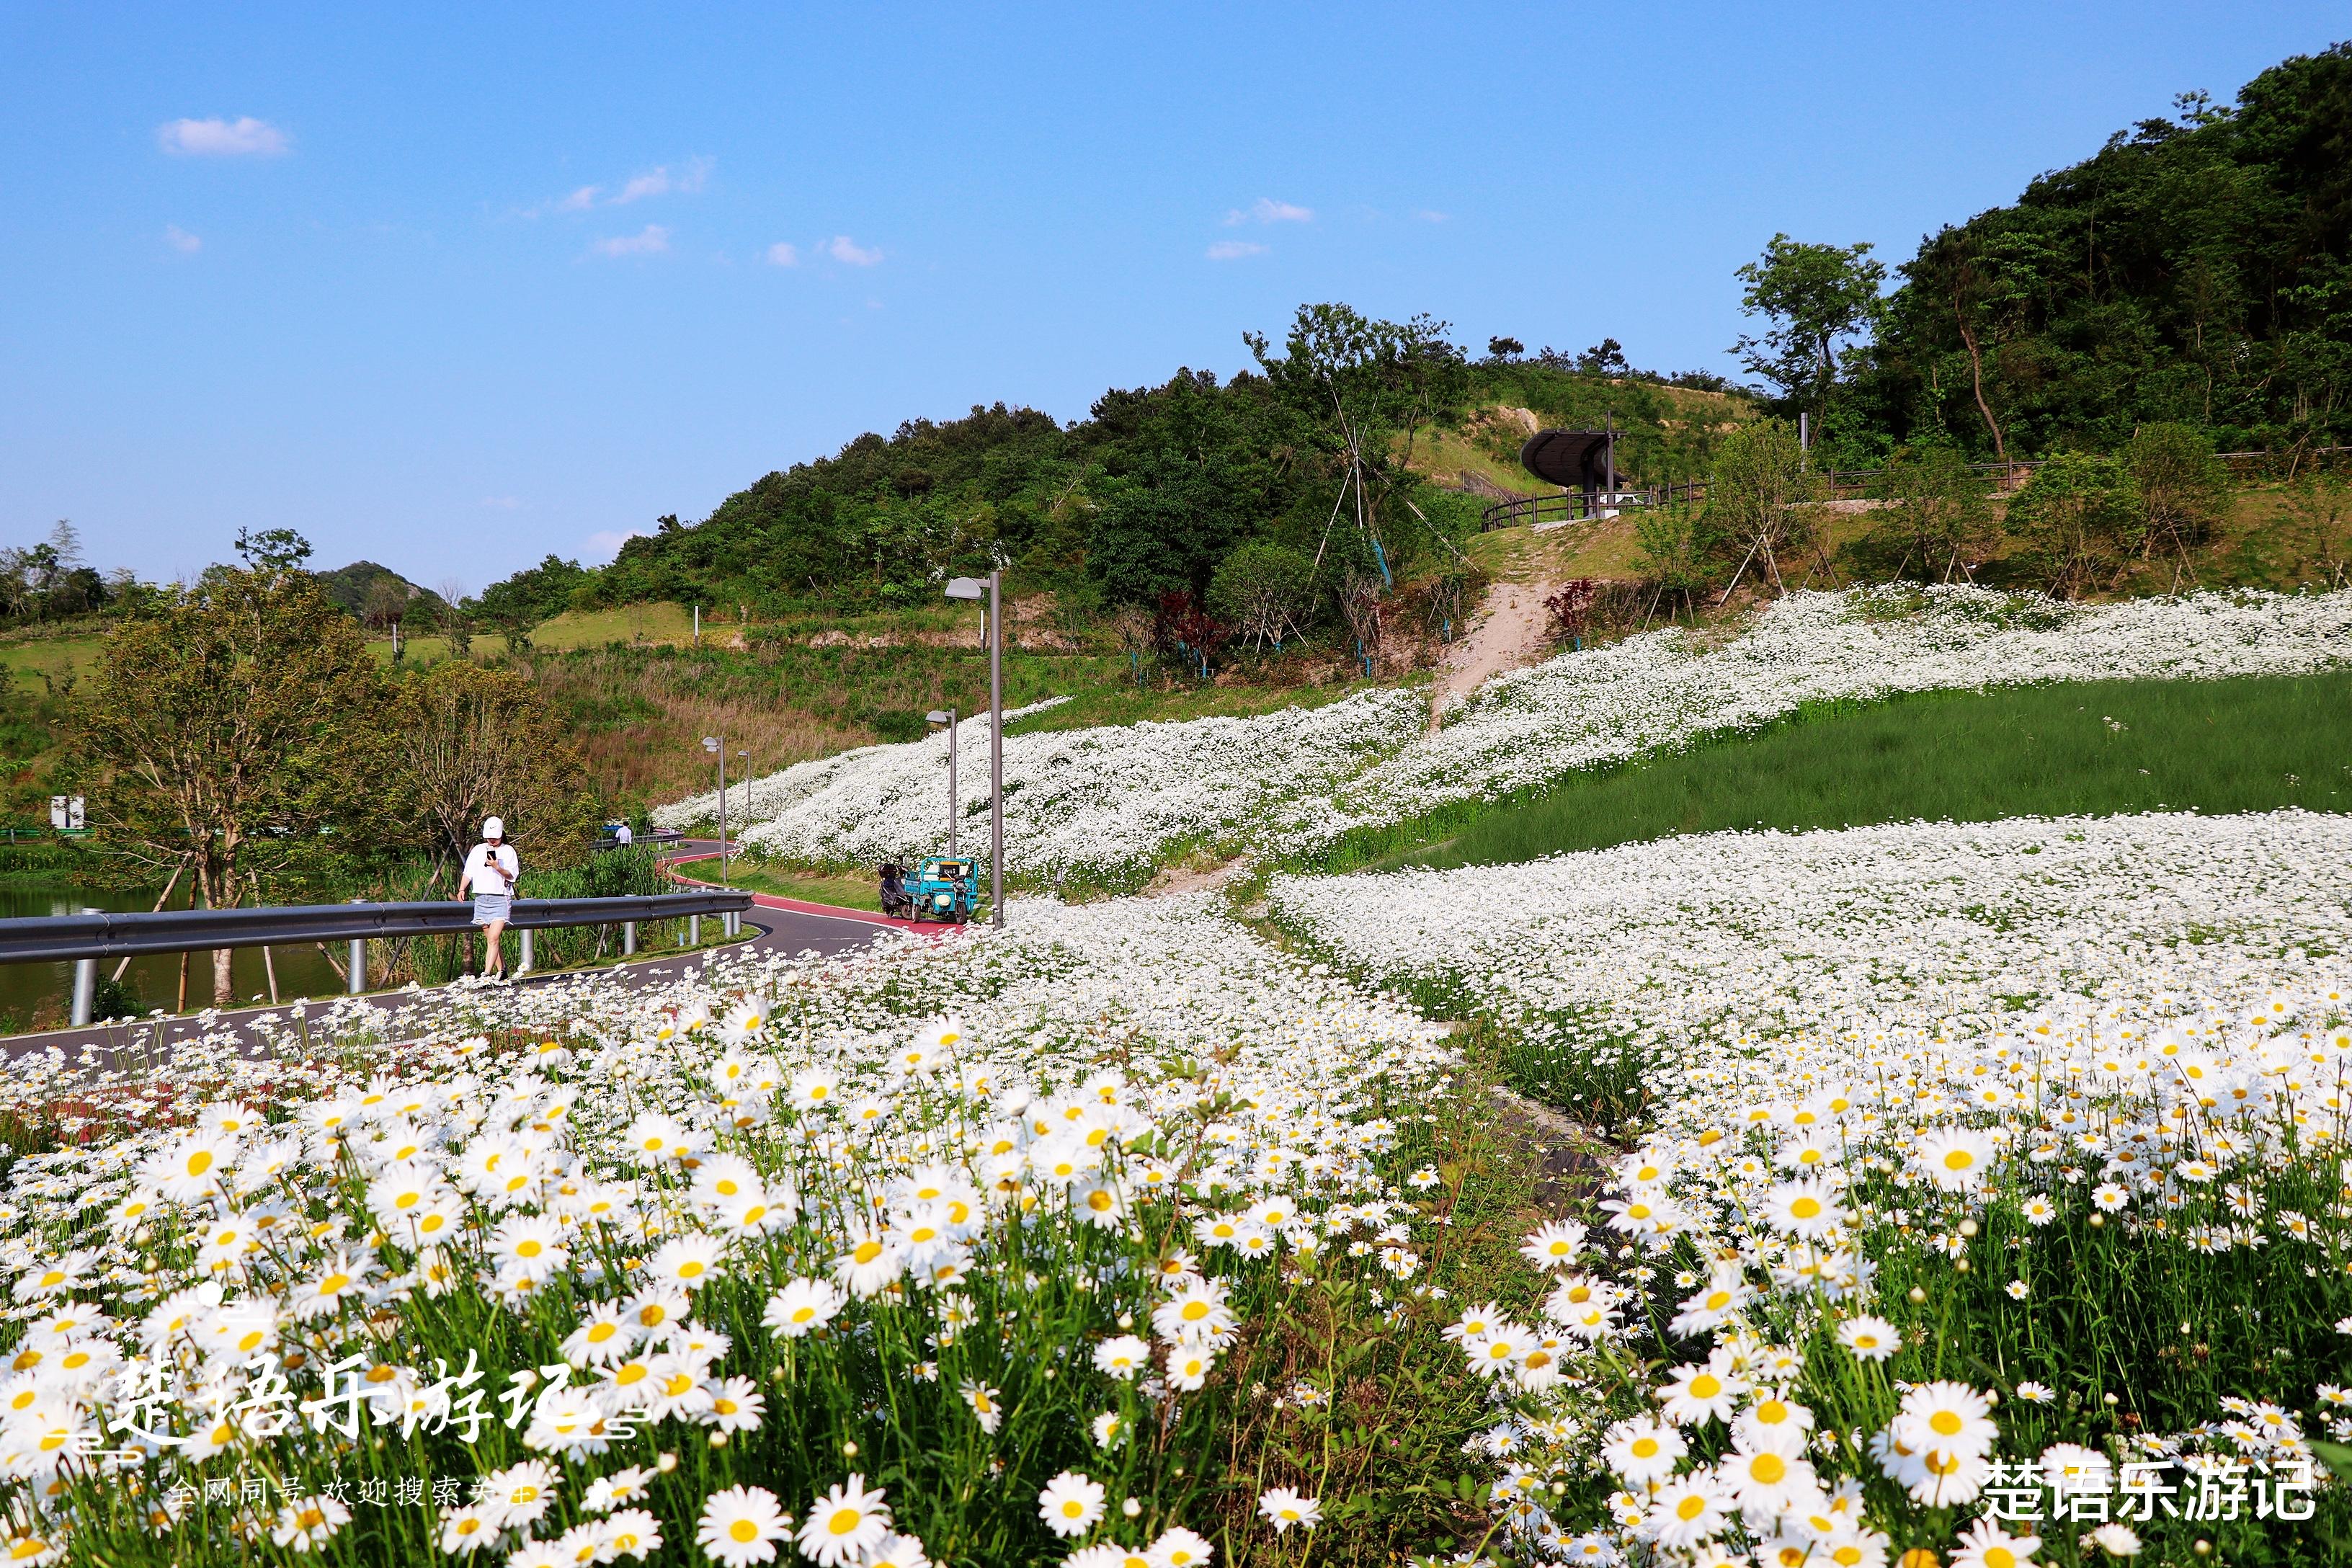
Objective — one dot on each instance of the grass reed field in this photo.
(2094, 748)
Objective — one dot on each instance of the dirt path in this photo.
(1192, 878)
(1508, 632)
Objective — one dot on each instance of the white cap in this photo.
(493, 828)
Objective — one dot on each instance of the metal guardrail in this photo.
(650, 836)
(49, 938)
(85, 938)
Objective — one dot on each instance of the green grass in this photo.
(2094, 748)
(657, 623)
(53, 656)
(847, 890)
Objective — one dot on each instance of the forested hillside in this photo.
(2195, 270)
(1336, 448)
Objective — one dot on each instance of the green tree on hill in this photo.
(2183, 491)
(228, 731)
(2079, 517)
(1818, 299)
(516, 607)
(1359, 392)
(1264, 591)
(1756, 499)
(2196, 270)
(1936, 511)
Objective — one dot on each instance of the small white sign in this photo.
(66, 812)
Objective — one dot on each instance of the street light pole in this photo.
(718, 743)
(972, 588)
(995, 750)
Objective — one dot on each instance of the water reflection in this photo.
(40, 995)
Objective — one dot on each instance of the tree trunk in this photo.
(218, 888)
(1976, 371)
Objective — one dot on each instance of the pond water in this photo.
(40, 995)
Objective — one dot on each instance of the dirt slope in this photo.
(1509, 632)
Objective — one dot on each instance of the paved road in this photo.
(780, 926)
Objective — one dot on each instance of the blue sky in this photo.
(450, 288)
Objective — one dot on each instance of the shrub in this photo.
(1263, 590)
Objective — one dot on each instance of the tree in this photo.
(272, 550)
(467, 743)
(1673, 544)
(516, 605)
(2317, 508)
(1936, 506)
(1606, 357)
(1362, 388)
(2184, 490)
(1186, 630)
(1164, 525)
(2076, 512)
(1263, 590)
(1571, 610)
(1818, 298)
(228, 731)
(1445, 594)
(454, 622)
(65, 546)
(1977, 292)
(1359, 598)
(1505, 348)
(386, 605)
(1135, 630)
(1757, 495)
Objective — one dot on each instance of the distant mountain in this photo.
(378, 594)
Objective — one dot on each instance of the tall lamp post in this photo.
(717, 744)
(971, 588)
(947, 716)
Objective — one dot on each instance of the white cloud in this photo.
(181, 240)
(1266, 210)
(1426, 215)
(1234, 250)
(603, 544)
(662, 180)
(243, 138)
(650, 240)
(841, 248)
(782, 254)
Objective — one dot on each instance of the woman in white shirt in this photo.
(490, 871)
